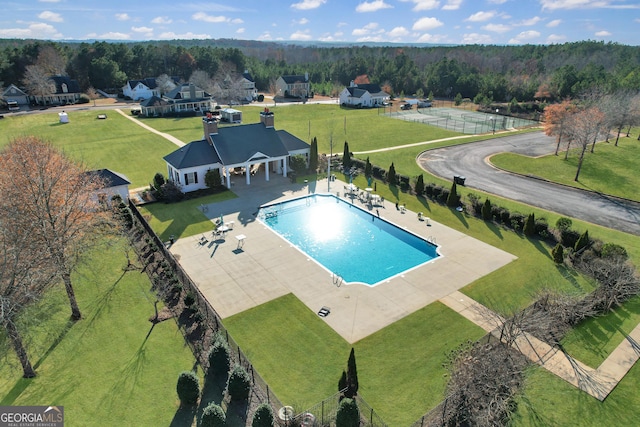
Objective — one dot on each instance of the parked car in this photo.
(406, 106)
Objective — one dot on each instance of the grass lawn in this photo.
(109, 369)
(115, 143)
(609, 170)
(181, 219)
(399, 368)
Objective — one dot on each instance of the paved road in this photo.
(471, 161)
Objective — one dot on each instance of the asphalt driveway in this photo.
(471, 161)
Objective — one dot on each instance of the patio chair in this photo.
(324, 312)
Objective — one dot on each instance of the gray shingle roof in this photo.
(291, 142)
(294, 79)
(110, 178)
(196, 153)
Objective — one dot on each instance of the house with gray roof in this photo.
(141, 89)
(114, 183)
(250, 150)
(14, 93)
(294, 86)
(363, 96)
(65, 90)
(183, 99)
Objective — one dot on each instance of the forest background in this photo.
(482, 73)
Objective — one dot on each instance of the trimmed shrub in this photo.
(568, 238)
(239, 384)
(444, 195)
(212, 178)
(476, 205)
(219, 357)
(352, 375)
(428, 189)
(263, 417)
(613, 251)
(342, 383)
(348, 414)
(583, 241)
(563, 224)
(503, 215)
(557, 253)
(391, 175)
(486, 210)
(213, 416)
(188, 388)
(516, 221)
(189, 299)
(437, 191)
(529, 228)
(542, 227)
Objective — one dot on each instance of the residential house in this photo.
(138, 90)
(363, 96)
(294, 86)
(67, 91)
(185, 99)
(115, 183)
(245, 150)
(248, 86)
(14, 93)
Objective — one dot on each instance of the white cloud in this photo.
(496, 28)
(497, 1)
(603, 33)
(142, 29)
(370, 39)
(122, 16)
(50, 16)
(529, 22)
(426, 24)
(554, 23)
(524, 36)
(240, 31)
(112, 35)
(582, 4)
(452, 5)
(303, 21)
(424, 4)
(308, 4)
(398, 32)
(161, 20)
(373, 6)
(236, 21)
(300, 35)
(265, 36)
(481, 16)
(475, 38)
(556, 38)
(370, 28)
(430, 38)
(170, 35)
(201, 16)
(33, 31)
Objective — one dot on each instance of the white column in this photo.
(266, 171)
(247, 173)
(284, 166)
(228, 175)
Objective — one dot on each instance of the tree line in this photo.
(496, 73)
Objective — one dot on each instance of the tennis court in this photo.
(463, 121)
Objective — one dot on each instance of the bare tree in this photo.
(57, 202)
(202, 79)
(37, 81)
(51, 61)
(621, 109)
(584, 127)
(165, 84)
(92, 94)
(24, 276)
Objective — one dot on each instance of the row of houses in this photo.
(187, 97)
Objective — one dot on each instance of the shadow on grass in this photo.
(183, 417)
(568, 275)
(495, 229)
(461, 217)
(423, 201)
(213, 391)
(540, 246)
(237, 413)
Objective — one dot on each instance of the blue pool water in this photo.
(346, 240)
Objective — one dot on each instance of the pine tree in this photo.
(558, 253)
(368, 169)
(352, 375)
(419, 186)
(391, 175)
(342, 383)
(583, 241)
(452, 199)
(486, 210)
(346, 156)
(530, 225)
(313, 155)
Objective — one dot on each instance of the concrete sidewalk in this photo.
(596, 382)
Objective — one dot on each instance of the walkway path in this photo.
(166, 136)
(597, 382)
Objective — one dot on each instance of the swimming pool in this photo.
(354, 245)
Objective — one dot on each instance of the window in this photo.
(190, 178)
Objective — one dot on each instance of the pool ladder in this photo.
(337, 279)
(431, 239)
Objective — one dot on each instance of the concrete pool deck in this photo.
(235, 279)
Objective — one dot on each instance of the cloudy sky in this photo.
(402, 21)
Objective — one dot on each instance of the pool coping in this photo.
(235, 279)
